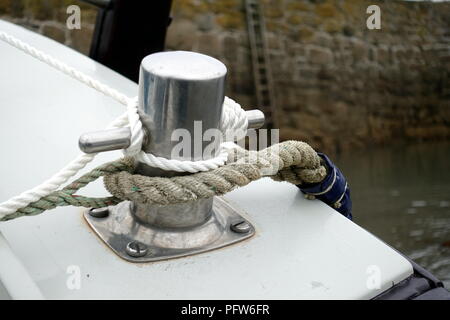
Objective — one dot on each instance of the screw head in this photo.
(136, 249)
(99, 212)
(241, 227)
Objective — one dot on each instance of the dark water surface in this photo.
(402, 195)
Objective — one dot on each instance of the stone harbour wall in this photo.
(338, 85)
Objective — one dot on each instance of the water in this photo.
(402, 195)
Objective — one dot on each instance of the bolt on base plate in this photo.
(137, 242)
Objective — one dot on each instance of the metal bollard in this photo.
(175, 90)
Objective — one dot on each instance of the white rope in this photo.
(52, 184)
(64, 68)
(137, 137)
(233, 121)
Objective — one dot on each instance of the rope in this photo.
(291, 161)
(67, 195)
(137, 137)
(233, 119)
(64, 68)
(55, 182)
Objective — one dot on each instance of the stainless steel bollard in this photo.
(176, 89)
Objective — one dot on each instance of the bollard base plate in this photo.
(120, 228)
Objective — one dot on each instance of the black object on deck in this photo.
(127, 31)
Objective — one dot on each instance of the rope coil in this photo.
(295, 162)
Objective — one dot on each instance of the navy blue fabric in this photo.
(336, 191)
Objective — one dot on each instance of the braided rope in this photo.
(55, 182)
(64, 68)
(67, 196)
(233, 125)
(234, 121)
(291, 161)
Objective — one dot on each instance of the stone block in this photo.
(54, 31)
(219, 6)
(319, 55)
(230, 46)
(360, 49)
(181, 35)
(326, 10)
(273, 9)
(296, 5)
(273, 42)
(40, 10)
(294, 19)
(323, 39)
(333, 26)
(81, 39)
(234, 21)
(210, 44)
(205, 22)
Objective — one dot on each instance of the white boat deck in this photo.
(302, 249)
